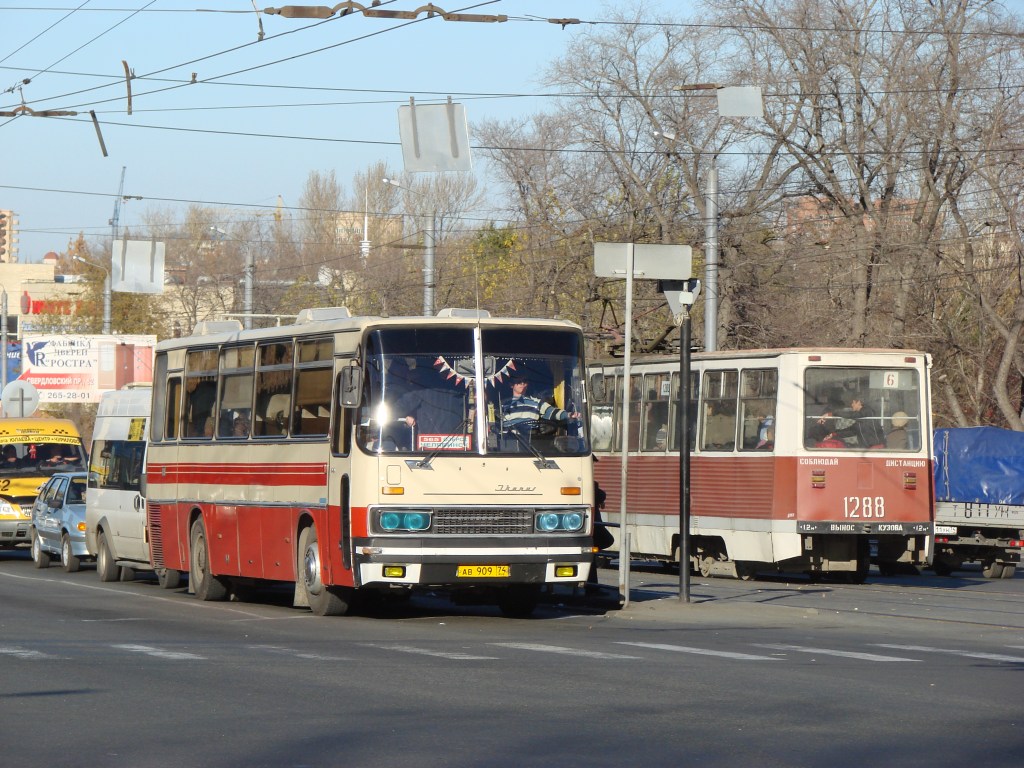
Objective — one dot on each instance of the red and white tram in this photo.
(813, 461)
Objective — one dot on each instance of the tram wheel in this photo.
(323, 600)
(706, 564)
(205, 585)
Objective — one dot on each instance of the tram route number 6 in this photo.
(863, 507)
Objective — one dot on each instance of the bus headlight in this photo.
(547, 522)
(397, 520)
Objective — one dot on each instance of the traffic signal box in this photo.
(8, 249)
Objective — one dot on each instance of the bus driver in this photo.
(522, 412)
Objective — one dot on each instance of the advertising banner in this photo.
(80, 368)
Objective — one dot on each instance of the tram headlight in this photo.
(547, 522)
(399, 520)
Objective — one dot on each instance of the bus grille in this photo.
(483, 521)
(156, 536)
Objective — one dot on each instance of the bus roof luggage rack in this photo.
(322, 314)
(460, 312)
(206, 327)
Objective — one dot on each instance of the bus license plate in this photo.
(483, 572)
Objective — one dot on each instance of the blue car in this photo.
(58, 521)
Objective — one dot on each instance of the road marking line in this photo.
(563, 650)
(455, 655)
(26, 653)
(703, 651)
(297, 654)
(159, 652)
(830, 652)
(955, 652)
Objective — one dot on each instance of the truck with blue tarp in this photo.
(979, 499)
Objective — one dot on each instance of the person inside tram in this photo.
(866, 427)
(898, 438)
(823, 434)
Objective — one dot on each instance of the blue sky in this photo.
(57, 181)
(330, 89)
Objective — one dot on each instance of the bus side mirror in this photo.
(351, 386)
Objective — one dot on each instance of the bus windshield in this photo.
(422, 387)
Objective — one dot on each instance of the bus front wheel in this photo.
(205, 585)
(324, 600)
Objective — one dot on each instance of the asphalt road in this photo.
(908, 671)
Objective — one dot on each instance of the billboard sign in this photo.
(80, 368)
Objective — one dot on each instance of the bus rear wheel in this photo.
(323, 600)
(205, 585)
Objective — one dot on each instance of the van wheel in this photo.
(71, 562)
(105, 565)
(323, 600)
(205, 585)
(40, 557)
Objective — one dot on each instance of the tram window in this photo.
(758, 394)
(655, 434)
(602, 413)
(718, 431)
(634, 415)
(831, 421)
(694, 396)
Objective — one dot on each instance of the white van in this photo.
(115, 510)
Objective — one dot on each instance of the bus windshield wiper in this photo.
(542, 462)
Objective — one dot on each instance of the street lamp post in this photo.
(733, 101)
(428, 256)
(106, 292)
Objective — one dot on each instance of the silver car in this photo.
(58, 521)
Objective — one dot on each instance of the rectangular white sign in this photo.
(80, 368)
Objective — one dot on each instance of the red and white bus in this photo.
(787, 472)
(348, 454)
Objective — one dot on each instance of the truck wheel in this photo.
(992, 570)
(1008, 571)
